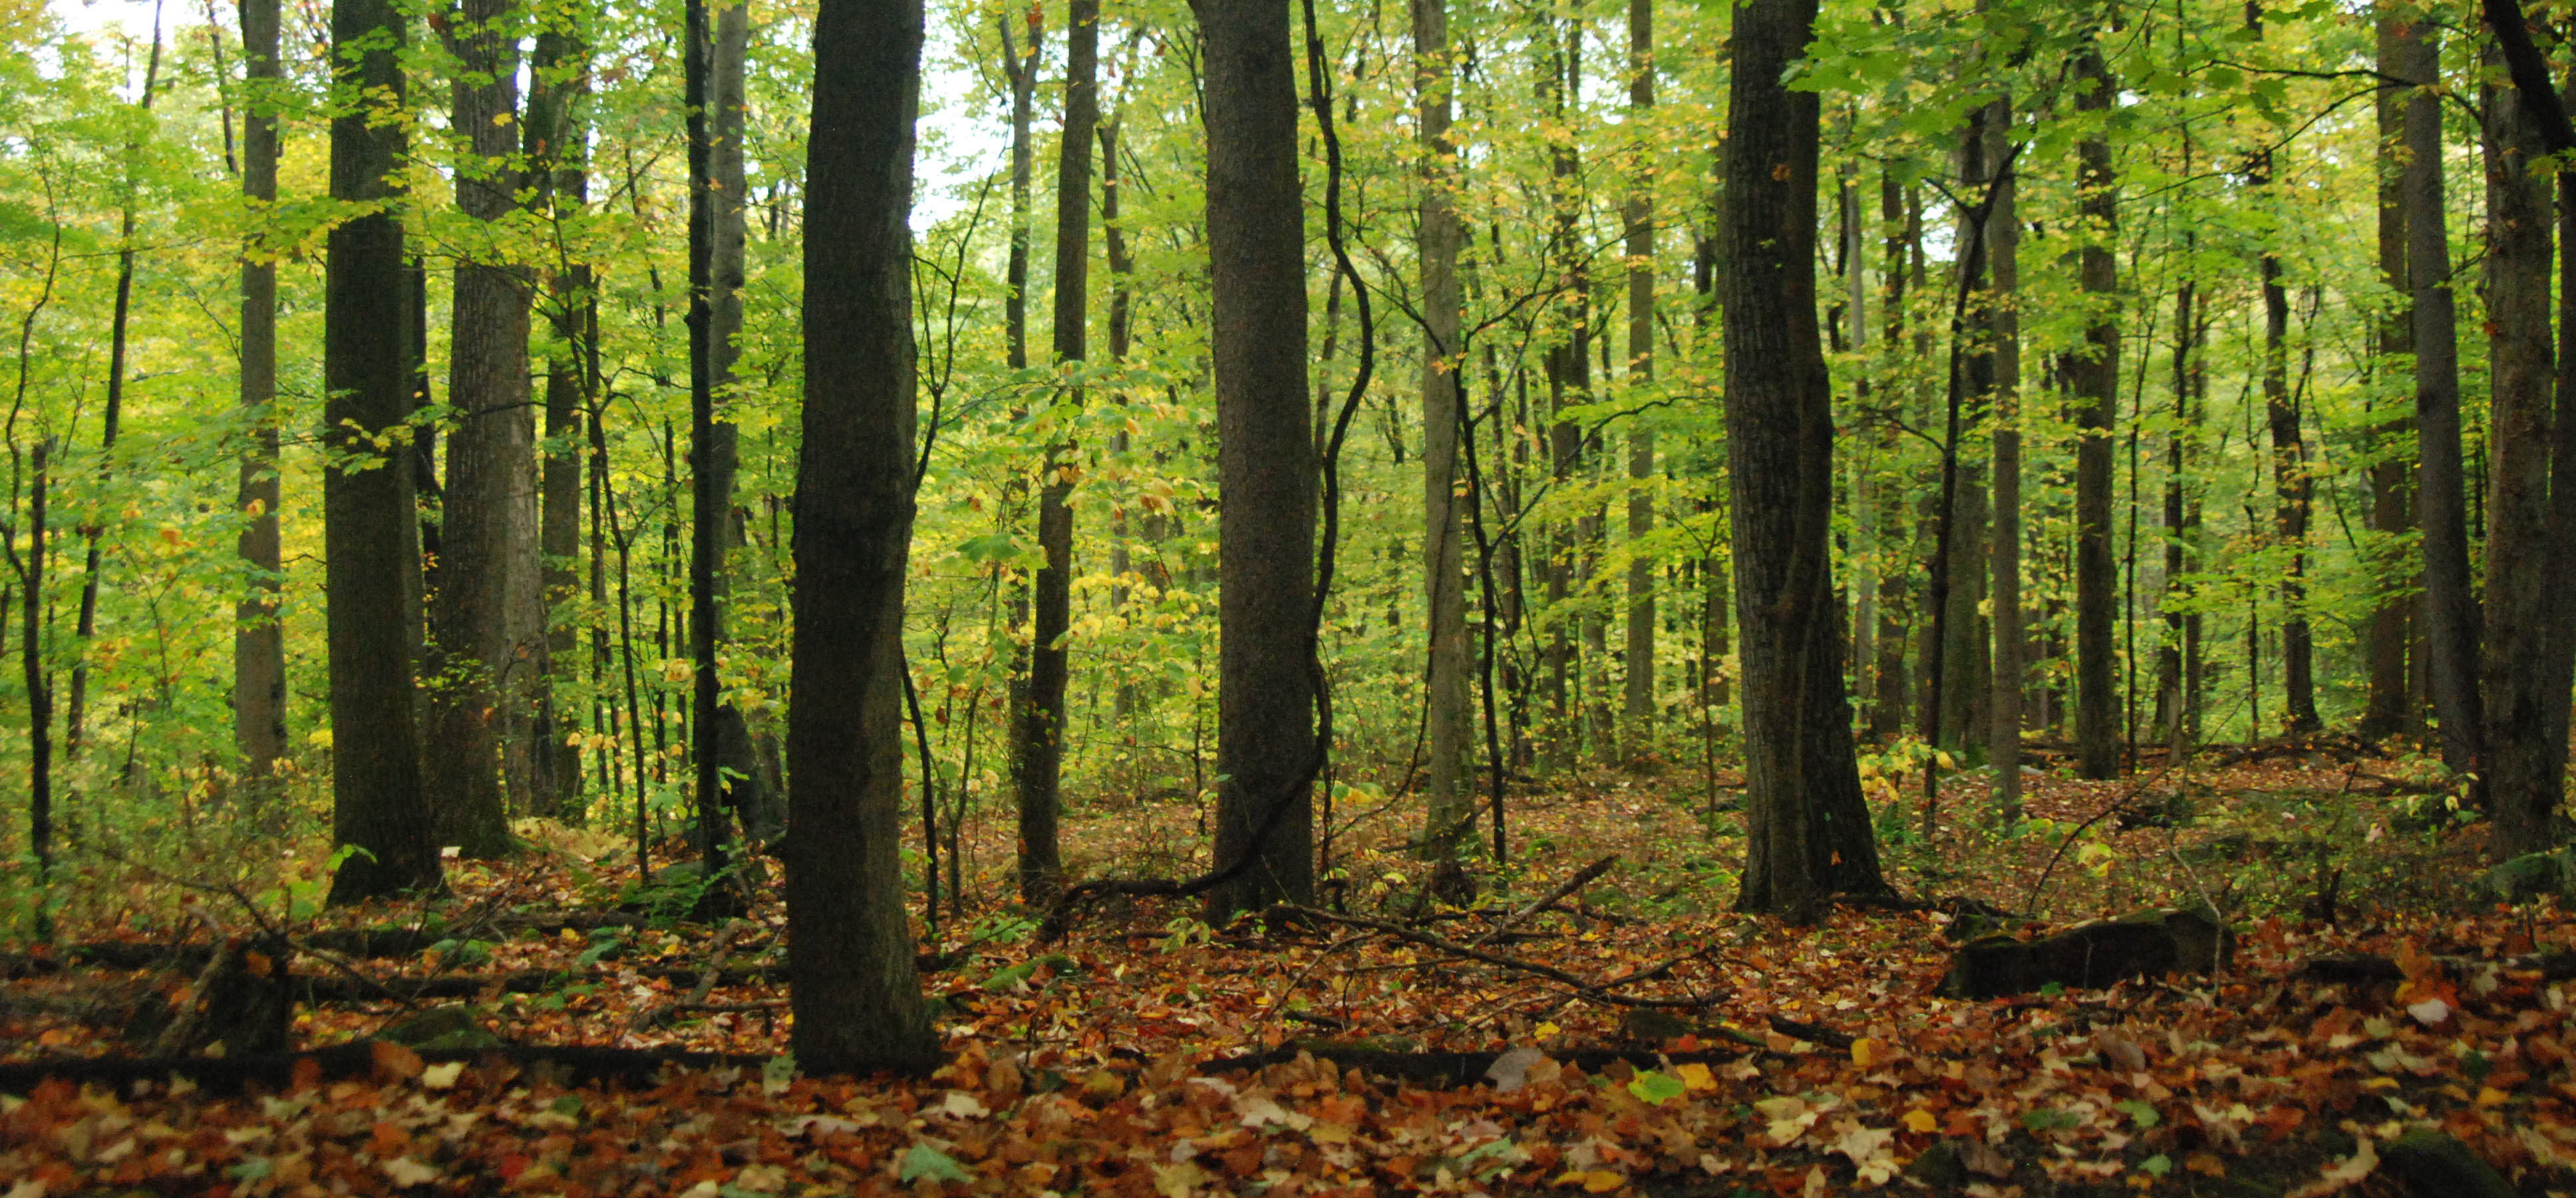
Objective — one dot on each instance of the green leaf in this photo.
(2157, 1165)
(2139, 1112)
(1657, 1087)
(926, 1161)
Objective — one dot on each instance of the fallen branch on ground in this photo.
(1597, 991)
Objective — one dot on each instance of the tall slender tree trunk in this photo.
(2293, 491)
(1567, 379)
(855, 993)
(557, 153)
(1808, 833)
(2093, 374)
(2450, 610)
(1637, 704)
(1888, 679)
(120, 321)
(1265, 458)
(370, 528)
(1038, 740)
(2391, 707)
(259, 641)
(1446, 783)
(2003, 328)
(2523, 772)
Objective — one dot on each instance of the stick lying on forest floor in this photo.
(1597, 991)
(1581, 879)
(706, 978)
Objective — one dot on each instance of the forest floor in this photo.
(1410, 1047)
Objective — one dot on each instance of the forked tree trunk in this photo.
(1265, 458)
(856, 995)
(1809, 834)
(370, 529)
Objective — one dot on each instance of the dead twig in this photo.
(1581, 879)
(1597, 991)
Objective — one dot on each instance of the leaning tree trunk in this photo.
(487, 615)
(855, 993)
(1637, 707)
(2449, 607)
(1445, 782)
(1808, 835)
(259, 640)
(370, 530)
(2094, 374)
(1266, 750)
(1038, 740)
(2522, 773)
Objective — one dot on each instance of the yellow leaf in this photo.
(2490, 1096)
(1921, 1122)
(440, 1077)
(1696, 1076)
(1865, 1053)
(1602, 1181)
(1547, 1029)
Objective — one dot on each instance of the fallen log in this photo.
(2555, 966)
(570, 1062)
(2090, 956)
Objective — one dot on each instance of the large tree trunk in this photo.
(855, 994)
(2522, 768)
(1446, 781)
(2093, 374)
(1266, 751)
(1038, 732)
(2003, 328)
(2450, 609)
(556, 147)
(1637, 705)
(370, 530)
(2391, 707)
(1809, 834)
(487, 613)
(259, 641)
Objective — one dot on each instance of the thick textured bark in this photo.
(487, 613)
(2523, 771)
(1038, 732)
(2003, 329)
(369, 528)
(2093, 374)
(1637, 703)
(2391, 707)
(1809, 833)
(1265, 458)
(259, 641)
(1445, 782)
(557, 165)
(2450, 610)
(855, 992)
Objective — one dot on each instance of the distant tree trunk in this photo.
(1566, 363)
(2391, 708)
(2523, 770)
(2003, 326)
(2450, 609)
(1895, 588)
(2293, 491)
(370, 529)
(1808, 833)
(1446, 784)
(486, 613)
(1265, 458)
(1038, 733)
(2170, 703)
(1637, 706)
(2094, 373)
(855, 993)
(556, 147)
(259, 641)
(710, 461)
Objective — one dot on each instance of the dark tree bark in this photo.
(2523, 771)
(556, 148)
(259, 642)
(370, 528)
(1265, 458)
(710, 463)
(1895, 587)
(1038, 731)
(1637, 701)
(1809, 835)
(2093, 377)
(855, 992)
(2391, 708)
(2450, 610)
(487, 612)
(1446, 784)
(1569, 381)
(2003, 329)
